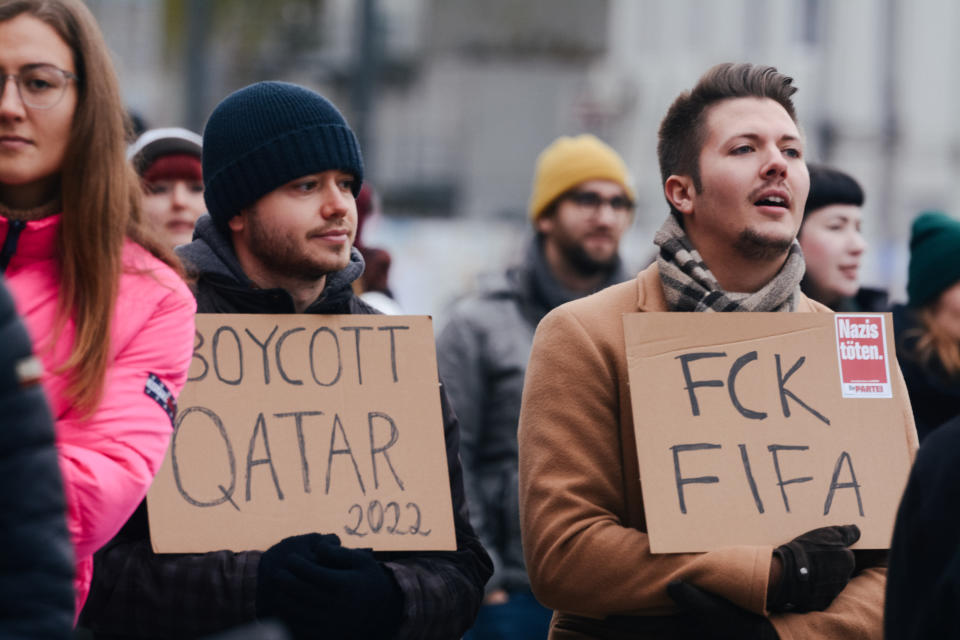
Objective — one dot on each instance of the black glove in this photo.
(816, 567)
(321, 589)
(273, 574)
(717, 618)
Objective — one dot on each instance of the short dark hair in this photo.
(830, 186)
(682, 132)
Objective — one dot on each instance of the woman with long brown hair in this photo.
(928, 327)
(109, 317)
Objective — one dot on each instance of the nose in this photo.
(775, 165)
(336, 202)
(11, 106)
(857, 244)
(178, 196)
(605, 215)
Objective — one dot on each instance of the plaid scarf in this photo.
(688, 284)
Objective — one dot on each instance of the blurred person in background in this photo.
(833, 244)
(927, 328)
(168, 163)
(36, 559)
(581, 203)
(110, 319)
(373, 285)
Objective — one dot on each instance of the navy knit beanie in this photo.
(934, 257)
(267, 134)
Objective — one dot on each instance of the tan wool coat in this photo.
(581, 509)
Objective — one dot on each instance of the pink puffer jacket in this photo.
(108, 459)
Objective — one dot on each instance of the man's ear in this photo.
(544, 224)
(680, 191)
(238, 222)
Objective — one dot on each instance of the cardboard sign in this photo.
(746, 433)
(306, 423)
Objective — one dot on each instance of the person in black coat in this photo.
(36, 555)
(923, 579)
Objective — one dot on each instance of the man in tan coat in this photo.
(734, 175)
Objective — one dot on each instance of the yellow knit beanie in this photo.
(567, 162)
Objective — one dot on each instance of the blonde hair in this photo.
(100, 193)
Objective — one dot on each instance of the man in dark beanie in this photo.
(282, 169)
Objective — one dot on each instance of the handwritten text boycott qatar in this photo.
(297, 423)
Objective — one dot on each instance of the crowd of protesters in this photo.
(109, 248)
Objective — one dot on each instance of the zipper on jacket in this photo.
(10, 243)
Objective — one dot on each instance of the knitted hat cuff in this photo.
(176, 166)
(311, 149)
(576, 175)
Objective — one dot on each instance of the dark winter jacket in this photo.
(137, 593)
(36, 570)
(482, 353)
(923, 578)
(934, 396)
(864, 301)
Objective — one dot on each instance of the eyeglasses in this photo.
(592, 201)
(41, 86)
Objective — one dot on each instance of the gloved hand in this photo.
(273, 574)
(816, 567)
(321, 589)
(717, 618)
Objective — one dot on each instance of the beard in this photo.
(576, 255)
(754, 246)
(582, 262)
(283, 255)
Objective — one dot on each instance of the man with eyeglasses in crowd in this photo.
(581, 204)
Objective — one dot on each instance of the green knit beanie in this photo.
(934, 257)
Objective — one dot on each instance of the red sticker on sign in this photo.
(862, 354)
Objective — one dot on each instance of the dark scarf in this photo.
(688, 284)
(549, 291)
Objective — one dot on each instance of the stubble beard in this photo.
(282, 256)
(755, 246)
